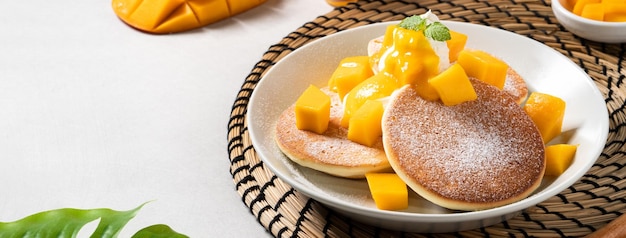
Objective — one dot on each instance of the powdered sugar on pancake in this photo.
(330, 152)
(483, 151)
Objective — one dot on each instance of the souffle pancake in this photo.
(475, 155)
(330, 152)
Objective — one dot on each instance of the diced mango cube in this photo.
(612, 1)
(569, 4)
(350, 72)
(615, 18)
(365, 125)
(483, 66)
(614, 11)
(375, 87)
(558, 158)
(456, 44)
(425, 90)
(313, 110)
(388, 191)
(580, 4)
(453, 86)
(547, 112)
(593, 11)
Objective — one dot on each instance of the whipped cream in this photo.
(440, 47)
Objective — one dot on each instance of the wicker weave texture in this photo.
(596, 199)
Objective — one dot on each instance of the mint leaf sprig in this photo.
(436, 30)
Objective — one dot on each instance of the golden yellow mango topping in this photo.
(375, 87)
(408, 56)
(453, 86)
(547, 112)
(558, 158)
(387, 42)
(170, 16)
(350, 72)
(483, 66)
(313, 110)
(388, 191)
(455, 45)
(365, 125)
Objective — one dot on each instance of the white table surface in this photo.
(94, 114)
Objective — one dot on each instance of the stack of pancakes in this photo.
(472, 156)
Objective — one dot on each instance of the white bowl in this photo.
(607, 32)
(544, 69)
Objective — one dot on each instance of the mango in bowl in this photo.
(608, 30)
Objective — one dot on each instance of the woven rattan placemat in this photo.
(596, 199)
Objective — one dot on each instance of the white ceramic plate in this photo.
(544, 69)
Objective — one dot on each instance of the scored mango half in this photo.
(171, 16)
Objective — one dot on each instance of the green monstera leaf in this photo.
(158, 231)
(67, 222)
